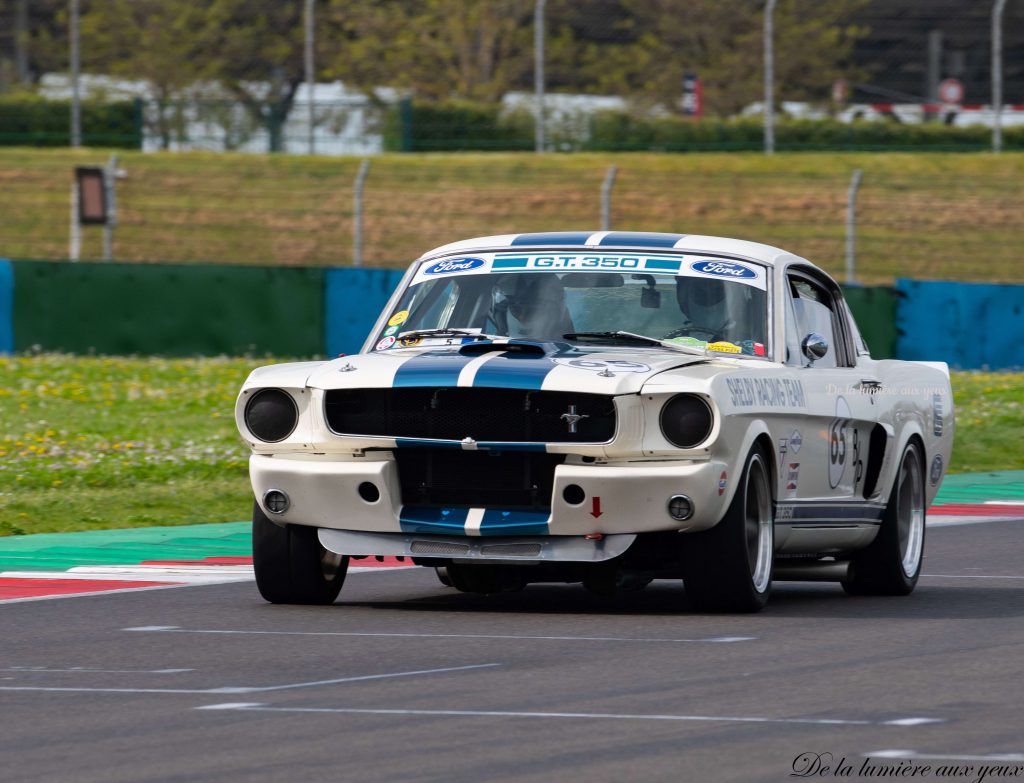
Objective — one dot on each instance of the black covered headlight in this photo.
(686, 420)
(271, 415)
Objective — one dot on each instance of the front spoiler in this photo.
(472, 549)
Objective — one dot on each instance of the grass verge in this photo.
(105, 442)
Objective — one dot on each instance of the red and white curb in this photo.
(19, 586)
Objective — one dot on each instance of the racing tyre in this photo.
(485, 579)
(729, 567)
(891, 564)
(291, 566)
(442, 576)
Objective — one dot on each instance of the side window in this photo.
(814, 311)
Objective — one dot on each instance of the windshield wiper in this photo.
(621, 336)
(443, 333)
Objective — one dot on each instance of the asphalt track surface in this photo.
(405, 680)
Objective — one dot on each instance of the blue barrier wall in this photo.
(353, 298)
(968, 325)
(6, 306)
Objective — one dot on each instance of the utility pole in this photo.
(997, 75)
(21, 42)
(538, 74)
(357, 213)
(851, 226)
(769, 78)
(310, 73)
(76, 98)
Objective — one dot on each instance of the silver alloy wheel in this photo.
(757, 523)
(910, 512)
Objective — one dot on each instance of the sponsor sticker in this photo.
(792, 477)
(410, 342)
(937, 415)
(764, 392)
(724, 347)
(796, 440)
(723, 482)
(691, 342)
(390, 331)
(398, 318)
(452, 265)
(724, 269)
(386, 343)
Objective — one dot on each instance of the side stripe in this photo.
(514, 371)
(441, 521)
(553, 238)
(473, 521)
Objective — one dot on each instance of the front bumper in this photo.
(626, 497)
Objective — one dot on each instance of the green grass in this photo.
(921, 215)
(103, 442)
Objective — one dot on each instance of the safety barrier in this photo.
(187, 310)
(969, 325)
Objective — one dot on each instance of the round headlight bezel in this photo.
(705, 431)
(292, 408)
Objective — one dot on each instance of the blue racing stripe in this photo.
(640, 239)
(430, 443)
(514, 371)
(510, 263)
(668, 266)
(554, 238)
(434, 368)
(514, 523)
(442, 521)
(502, 446)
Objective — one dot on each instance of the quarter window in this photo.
(814, 313)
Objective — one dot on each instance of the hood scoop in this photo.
(478, 349)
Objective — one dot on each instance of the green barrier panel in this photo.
(170, 310)
(874, 309)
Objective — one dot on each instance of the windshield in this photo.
(691, 301)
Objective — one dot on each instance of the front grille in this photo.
(511, 550)
(504, 415)
(519, 480)
(438, 548)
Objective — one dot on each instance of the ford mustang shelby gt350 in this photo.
(606, 408)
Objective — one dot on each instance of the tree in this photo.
(150, 40)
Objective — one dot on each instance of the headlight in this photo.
(686, 420)
(271, 415)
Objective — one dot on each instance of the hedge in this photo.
(417, 126)
(30, 121)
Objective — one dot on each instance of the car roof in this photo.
(647, 241)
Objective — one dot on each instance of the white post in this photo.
(997, 75)
(310, 73)
(769, 78)
(851, 226)
(606, 198)
(75, 234)
(109, 177)
(357, 215)
(76, 98)
(538, 74)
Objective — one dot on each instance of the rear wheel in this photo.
(891, 564)
(729, 567)
(291, 565)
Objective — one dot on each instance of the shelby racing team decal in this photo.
(766, 392)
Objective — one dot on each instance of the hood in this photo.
(515, 365)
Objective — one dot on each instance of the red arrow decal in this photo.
(597, 508)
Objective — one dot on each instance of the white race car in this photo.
(606, 408)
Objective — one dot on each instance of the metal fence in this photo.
(943, 216)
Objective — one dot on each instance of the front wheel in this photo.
(291, 565)
(729, 567)
(891, 564)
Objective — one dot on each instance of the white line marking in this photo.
(910, 754)
(944, 521)
(92, 593)
(911, 721)
(1004, 503)
(229, 689)
(578, 715)
(176, 629)
(972, 576)
(85, 670)
(231, 705)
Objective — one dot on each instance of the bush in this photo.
(36, 122)
(415, 126)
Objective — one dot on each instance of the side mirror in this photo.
(814, 346)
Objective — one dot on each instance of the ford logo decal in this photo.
(723, 269)
(454, 265)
